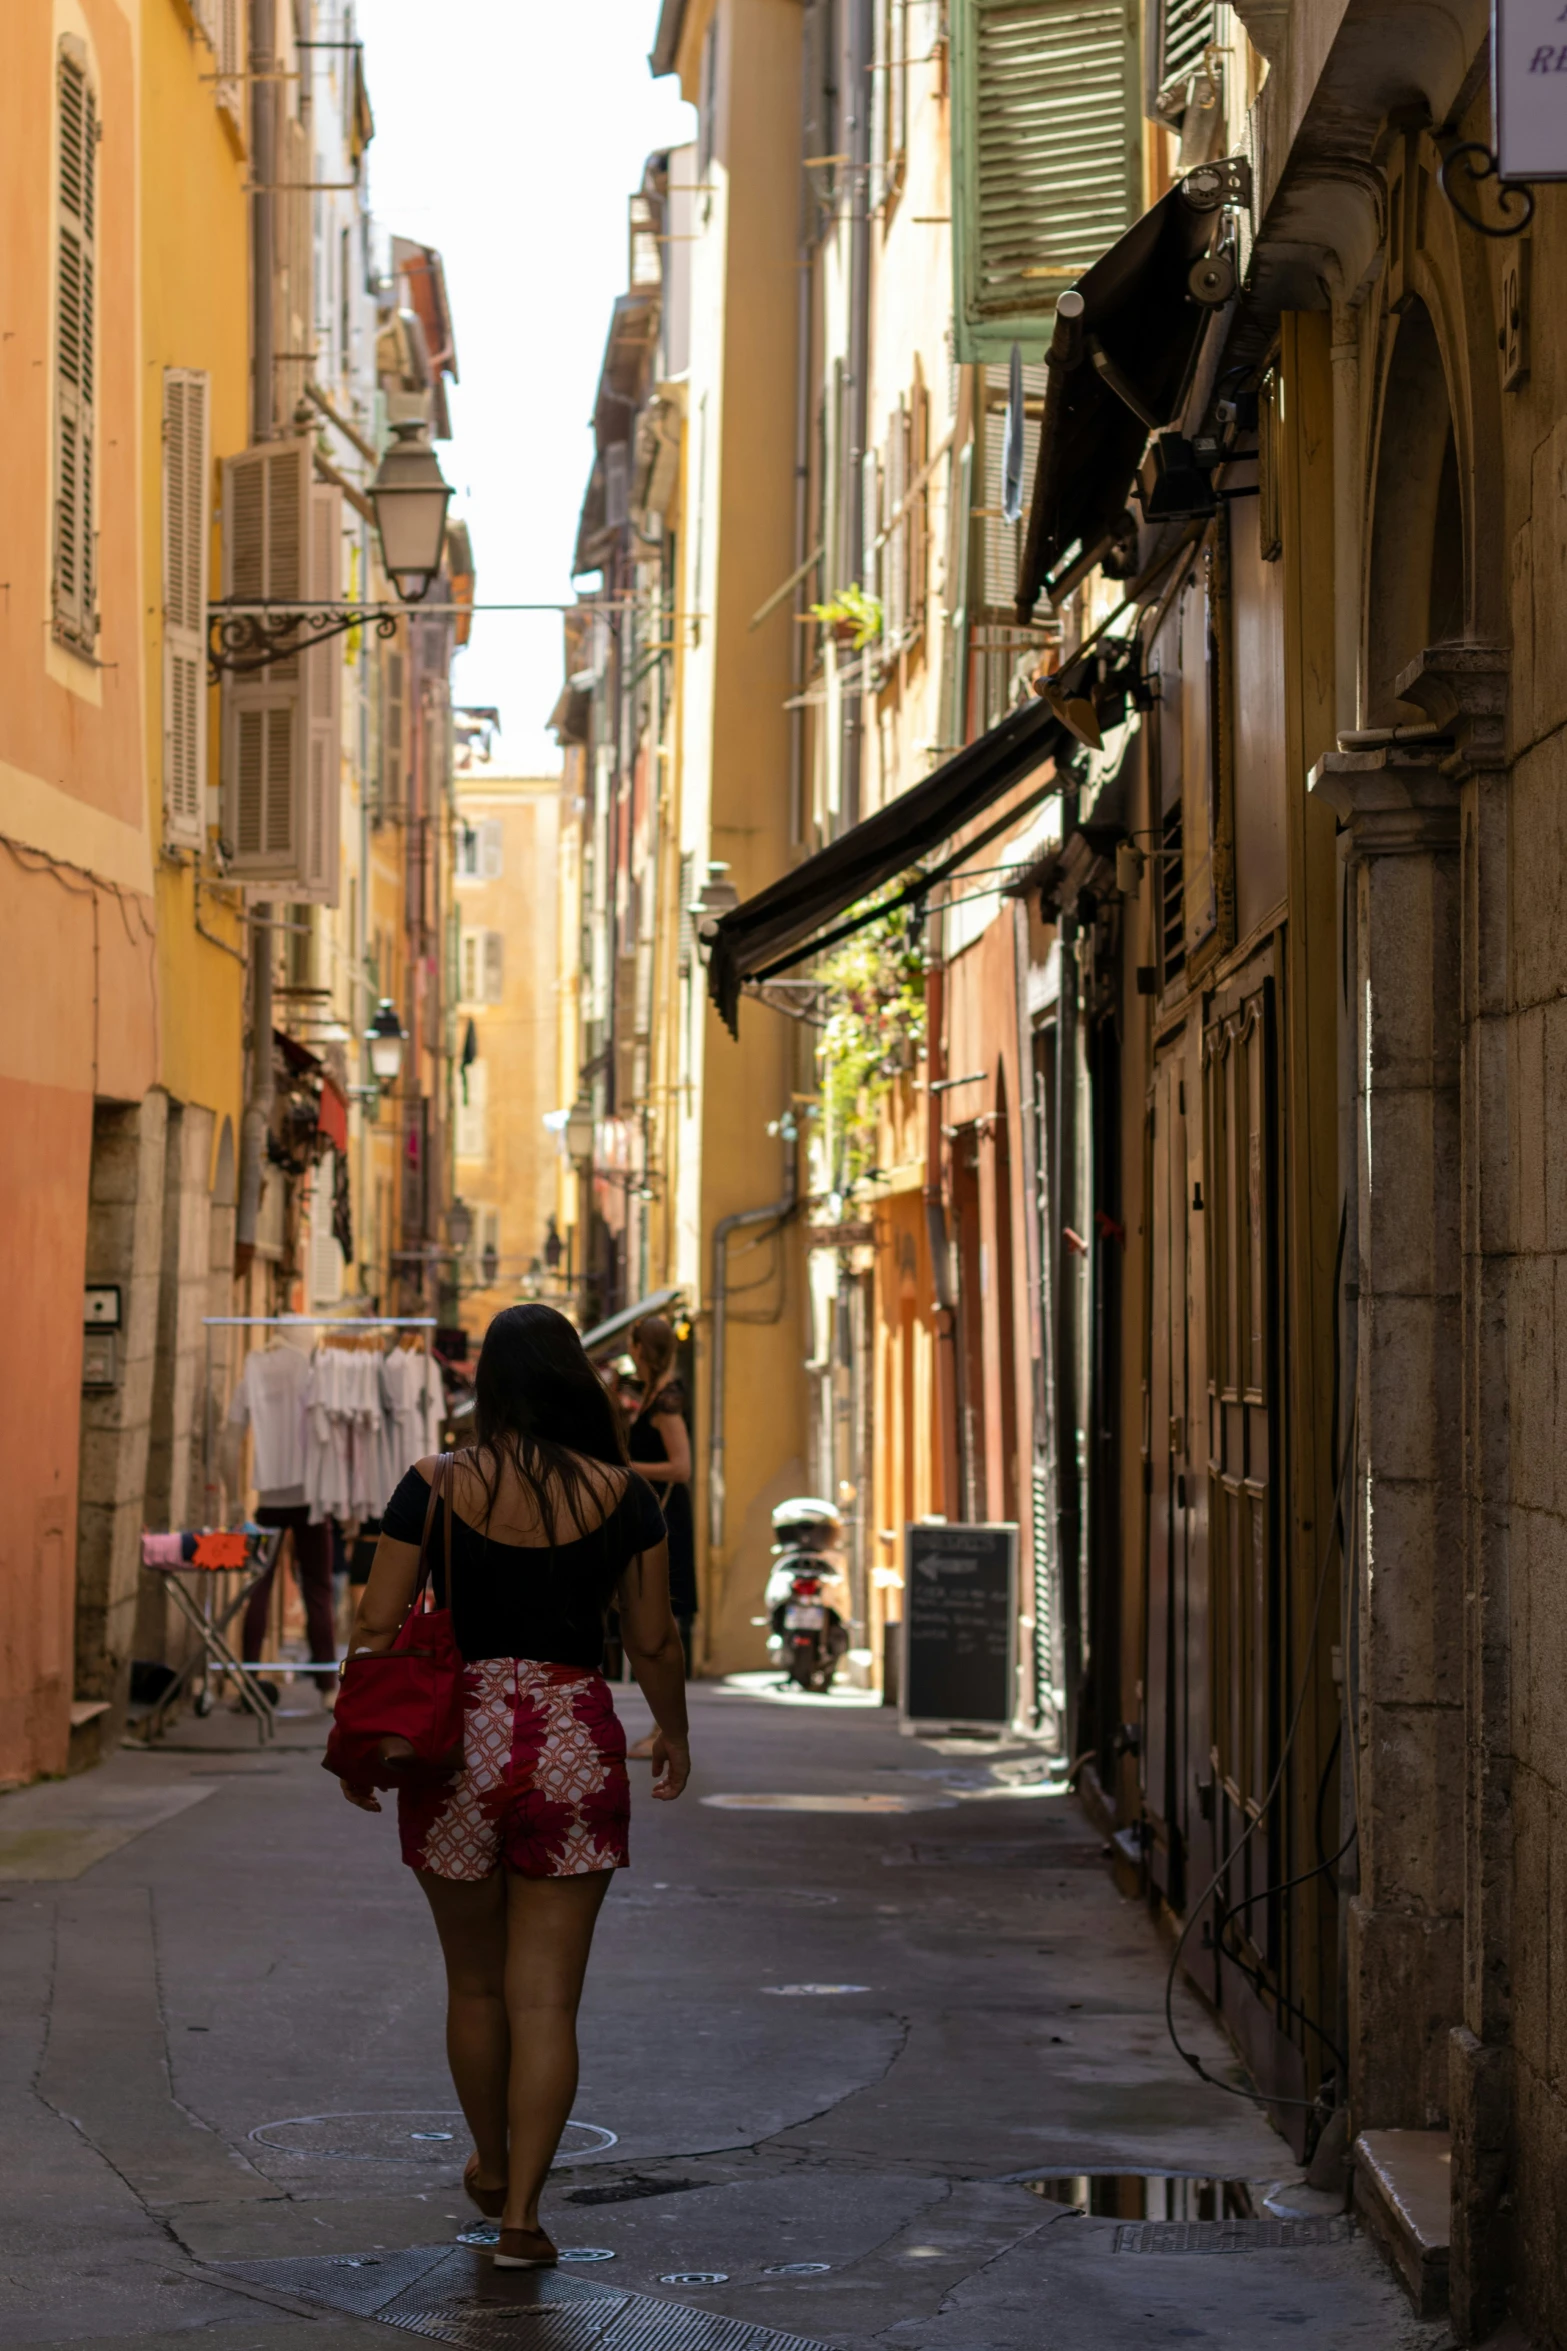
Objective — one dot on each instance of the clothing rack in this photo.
(279, 1322)
(348, 1324)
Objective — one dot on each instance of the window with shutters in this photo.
(222, 26)
(473, 1115)
(1047, 159)
(468, 853)
(326, 1256)
(394, 731)
(481, 975)
(1180, 34)
(282, 724)
(905, 545)
(685, 947)
(491, 849)
(890, 99)
(186, 528)
(74, 586)
(1002, 541)
(707, 115)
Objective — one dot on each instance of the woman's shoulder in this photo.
(671, 1397)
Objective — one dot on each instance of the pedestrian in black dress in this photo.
(660, 1444)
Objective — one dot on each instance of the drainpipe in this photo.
(258, 1103)
(263, 254)
(776, 1212)
(1064, 1203)
(857, 81)
(947, 1365)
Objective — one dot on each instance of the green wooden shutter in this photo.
(1047, 163)
(75, 598)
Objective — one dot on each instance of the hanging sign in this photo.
(1529, 93)
(959, 1625)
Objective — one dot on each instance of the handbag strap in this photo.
(443, 1464)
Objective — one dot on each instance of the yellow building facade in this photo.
(506, 895)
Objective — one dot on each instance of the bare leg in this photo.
(549, 1932)
(471, 1922)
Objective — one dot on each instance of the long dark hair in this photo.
(656, 1338)
(539, 1404)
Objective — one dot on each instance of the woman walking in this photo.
(549, 1526)
(660, 1445)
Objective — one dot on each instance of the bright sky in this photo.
(509, 134)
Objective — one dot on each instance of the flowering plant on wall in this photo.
(874, 985)
(853, 616)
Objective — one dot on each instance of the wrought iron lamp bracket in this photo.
(246, 637)
(1508, 192)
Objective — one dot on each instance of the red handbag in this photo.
(399, 1715)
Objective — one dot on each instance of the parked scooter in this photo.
(807, 1633)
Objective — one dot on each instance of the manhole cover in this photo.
(586, 2253)
(399, 2136)
(1229, 2236)
(797, 2269)
(446, 2294)
(877, 1800)
(803, 1991)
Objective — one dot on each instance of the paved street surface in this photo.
(843, 2040)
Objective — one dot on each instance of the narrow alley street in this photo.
(826, 2049)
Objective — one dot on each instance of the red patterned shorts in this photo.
(543, 1787)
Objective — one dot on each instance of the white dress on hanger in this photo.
(270, 1398)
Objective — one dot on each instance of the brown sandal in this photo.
(525, 2249)
(491, 2201)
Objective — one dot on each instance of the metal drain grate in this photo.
(1228, 2236)
(448, 2294)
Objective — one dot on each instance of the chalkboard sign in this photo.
(959, 1624)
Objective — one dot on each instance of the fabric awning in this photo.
(785, 916)
(596, 1340)
(1139, 312)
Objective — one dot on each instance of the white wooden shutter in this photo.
(321, 816)
(326, 1255)
(230, 46)
(470, 968)
(186, 532)
(1047, 165)
(490, 850)
(494, 966)
(471, 1122)
(74, 588)
(1003, 541)
(266, 527)
(1187, 29)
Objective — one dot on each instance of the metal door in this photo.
(1175, 1609)
(1240, 1070)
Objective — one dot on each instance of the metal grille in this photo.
(450, 2294)
(1228, 2236)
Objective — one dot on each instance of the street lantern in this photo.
(410, 496)
(579, 1129)
(385, 1038)
(459, 1224)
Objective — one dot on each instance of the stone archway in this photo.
(1421, 796)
